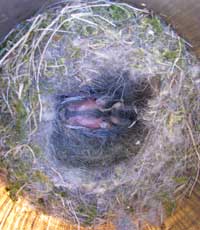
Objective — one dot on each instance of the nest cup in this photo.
(86, 177)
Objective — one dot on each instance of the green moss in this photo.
(22, 174)
(64, 194)
(66, 25)
(18, 169)
(18, 176)
(113, 13)
(34, 98)
(154, 22)
(169, 207)
(62, 191)
(3, 49)
(21, 116)
(117, 13)
(37, 150)
(14, 37)
(170, 54)
(27, 84)
(180, 180)
(13, 189)
(21, 167)
(44, 23)
(76, 52)
(89, 212)
(2, 163)
(173, 119)
(89, 30)
(168, 203)
(39, 176)
(49, 74)
(61, 61)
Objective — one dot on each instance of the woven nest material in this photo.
(137, 174)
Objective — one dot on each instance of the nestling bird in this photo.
(99, 115)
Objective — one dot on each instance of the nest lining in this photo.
(66, 47)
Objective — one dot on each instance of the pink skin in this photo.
(88, 122)
(115, 120)
(85, 121)
(84, 105)
(100, 102)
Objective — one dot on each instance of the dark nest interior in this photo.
(99, 113)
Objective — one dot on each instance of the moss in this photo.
(44, 23)
(168, 203)
(64, 194)
(117, 13)
(34, 98)
(180, 180)
(21, 116)
(89, 30)
(18, 169)
(2, 163)
(3, 49)
(170, 54)
(37, 150)
(27, 84)
(14, 37)
(89, 213)
(21, 168)
(13, 189)
(66, 25)
(22, 174)
(76, 52)
(49, 74)
(17, 176)
(47, 201)
(174, 119)
(114, 12)
(154, 22)
(39, 176)
(169, 207)
(6, 45)
(61, 61)
(62, 191)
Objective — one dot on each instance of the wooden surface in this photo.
(13, 11)
(20, 216)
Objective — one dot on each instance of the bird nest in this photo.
(86, 173)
